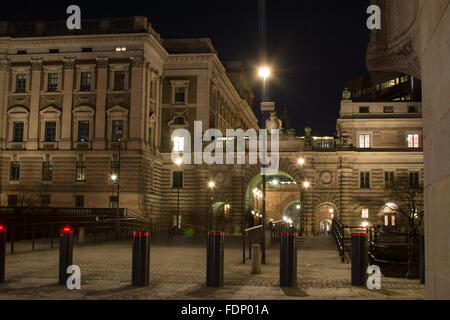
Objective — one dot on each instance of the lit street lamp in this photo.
(211, 186)
(306, 185)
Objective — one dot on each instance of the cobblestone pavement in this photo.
(178, 271)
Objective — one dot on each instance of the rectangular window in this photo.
(364, 141)
(365, 213)
(179, 95)
(21, 83)
(389, 179)
(413, 140)
(47, 171)
(18, 131)
(52, 85)
(86, 49)
(81, 171)
(12, 200)
(121, 49)
(413, 109)
(83, 130)
(45, 201)
(388, 109)
(177, 179)
(117, 130)
(365, 180)
(386, 220)
(364, 110)
(414, 179)
(21, 51)
(114, 168)
(86, 81)
(178, 144)
(113, 202)
(119, 80)
(50, 131)
(14, 170)
(79, 201)
(53, 50)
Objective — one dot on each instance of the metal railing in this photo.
(379, 239)
(254, 235)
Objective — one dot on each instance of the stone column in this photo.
(137, 110)
(158, 124)
(33, 132)
(66, 121)
(4, 73)
(100, 106)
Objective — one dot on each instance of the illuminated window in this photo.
(81, 170)
(413, 140)
(178, 144)
(388, 109)
(365, 213)
(121, 49)
(364, 141)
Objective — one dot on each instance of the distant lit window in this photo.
(364, 110)
(121, 49)
(413, 140)
(21, 83)
(52, 85)
(388, 109)
(365, 213)
(364, 141)
(81, 171)
(178, 144)
(83, 130)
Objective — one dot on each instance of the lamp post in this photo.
(306, 185)
(178, 162)
(301, 163)
(264, 73)
(211, 186)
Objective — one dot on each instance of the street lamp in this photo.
(211, 186)
(301, 161)
(306, 185)
(178, 162)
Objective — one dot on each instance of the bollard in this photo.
(422, 258)
(256, 259)
(81, 236)
(214, 259)
(288, 260)
(141, 259)
(2, 252)
(360, 259)
(65, 253)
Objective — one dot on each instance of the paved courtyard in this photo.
(177, 271)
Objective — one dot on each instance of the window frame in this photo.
(47, 171)
(367, 182)
(365, 140)
(80, 171)
(14, 167)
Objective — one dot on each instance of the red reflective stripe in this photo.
(66, 230)
(2, 228)
(141, 234)
(360, 234)
(215, 233)
(288, 234)
(422, 234)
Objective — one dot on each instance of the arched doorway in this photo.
(293, 210)
(325, 212)
(281, 192)
(219, 216)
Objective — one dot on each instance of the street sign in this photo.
(267, 106)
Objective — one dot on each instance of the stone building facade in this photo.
(77, 110)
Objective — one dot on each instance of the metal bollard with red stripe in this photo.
(214, 259)
(2, 252)
(288, 260)
(422, 257)
(360, 258)
(65, 253)
(141, 259)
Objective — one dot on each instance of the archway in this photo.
(218, 219)
(281, 191)
(324, 214)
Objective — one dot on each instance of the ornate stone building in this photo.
(80, 109)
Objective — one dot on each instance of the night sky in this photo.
(314, 46)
